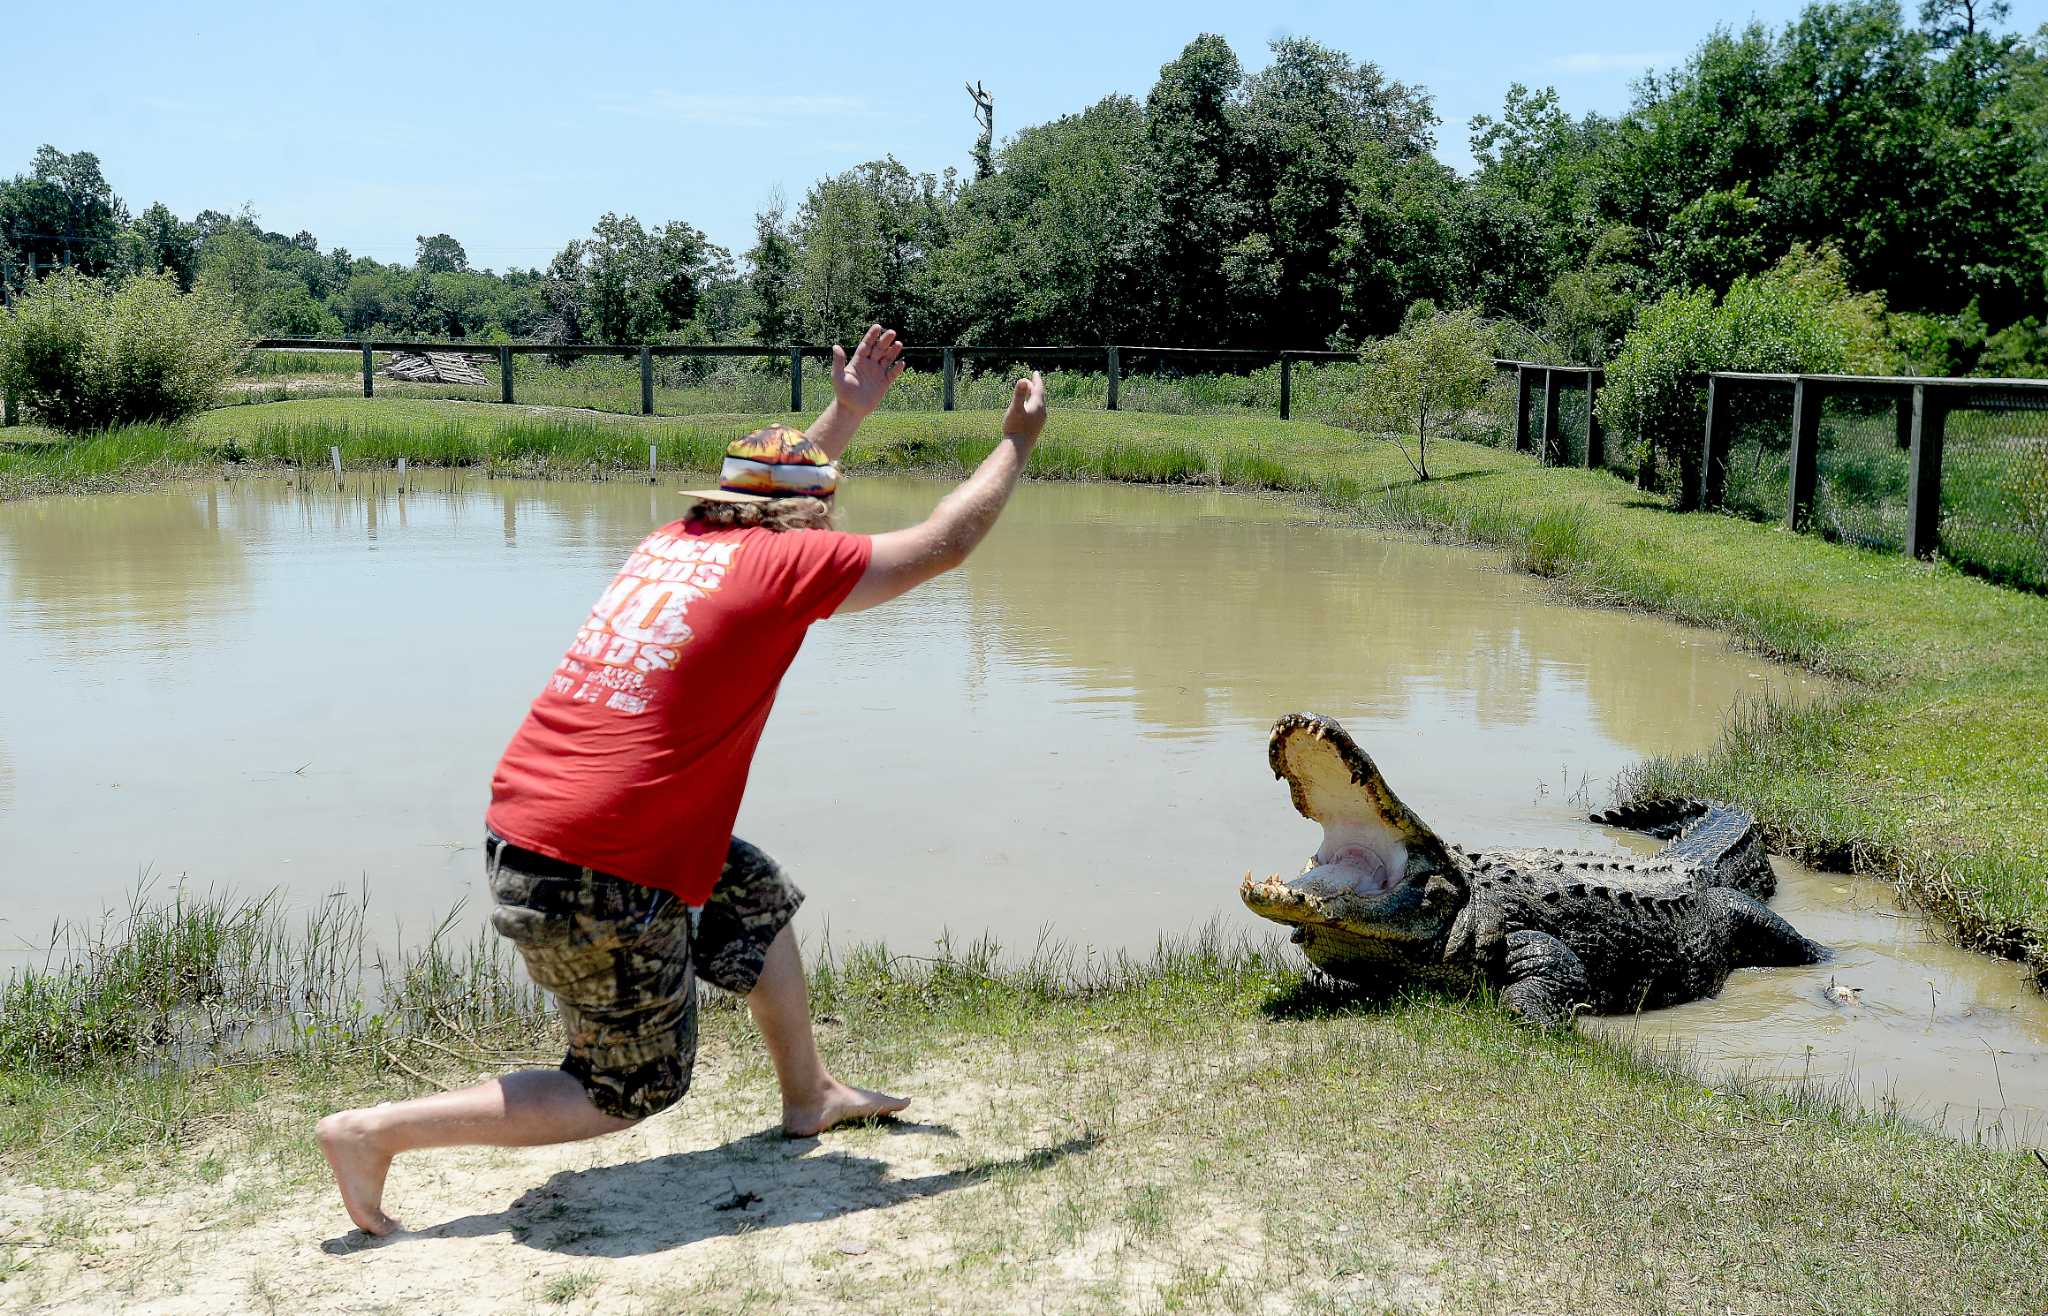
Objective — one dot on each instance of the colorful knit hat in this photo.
(776, 461)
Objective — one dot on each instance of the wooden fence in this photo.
(1554, 380)
(949, 358)
(1923, 407)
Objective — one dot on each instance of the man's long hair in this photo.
(777, 514)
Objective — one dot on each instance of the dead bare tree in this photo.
(985, 115)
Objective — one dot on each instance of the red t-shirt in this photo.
(634, 758)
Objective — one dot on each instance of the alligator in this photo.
(1385, 902)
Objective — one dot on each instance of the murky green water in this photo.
(246, 685)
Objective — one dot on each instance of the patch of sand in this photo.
(706, 1207)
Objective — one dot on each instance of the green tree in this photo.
(62, 213)
(626, 283)
(1589, 310)
(772, 280)
(862, 238)
(1049, 248)
(1199, 215)
(159, 240)
(1424, 382)
(439, 254)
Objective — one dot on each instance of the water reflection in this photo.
(124, 561)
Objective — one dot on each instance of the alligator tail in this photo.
(1723, 842)
(1662, 817)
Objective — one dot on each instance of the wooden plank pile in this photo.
(435, 368)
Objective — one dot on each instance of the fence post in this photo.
(796, 379)
(368, 389)
(646, 380)
(947, 366)
(1553, 448)
(1806, 400)
(1929, 417)
(1904, 419)
(1286, 387)
(1596, 438)
(1115, 377)
(1522, 391)
(1714, 458)
(504, 373)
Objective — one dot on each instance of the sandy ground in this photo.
(976, 1204)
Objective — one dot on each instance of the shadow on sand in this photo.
(761, 1181)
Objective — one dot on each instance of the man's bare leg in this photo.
(529, 1108)
(812, 1100)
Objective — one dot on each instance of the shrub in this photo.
(1424, 382)
(1798, 317)
(83, 355)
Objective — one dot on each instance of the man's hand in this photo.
(860, 384)
(1026, 416)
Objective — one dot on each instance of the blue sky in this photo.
(547, 115)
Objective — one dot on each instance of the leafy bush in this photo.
(1798, 317)
(1424, 382)
(82, 354)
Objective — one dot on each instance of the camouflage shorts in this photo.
(622, 961)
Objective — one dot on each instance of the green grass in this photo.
(1205, 1128)
(1927, 768)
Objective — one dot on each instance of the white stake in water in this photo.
(401, 475)
(650, 463)
(334, 455)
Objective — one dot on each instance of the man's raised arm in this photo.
(905, 559)
(858, 386)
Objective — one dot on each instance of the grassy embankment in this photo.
(1929, 768)
(1204, 1131)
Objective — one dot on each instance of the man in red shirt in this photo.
(609, 842)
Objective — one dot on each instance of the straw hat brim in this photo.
(728, 496)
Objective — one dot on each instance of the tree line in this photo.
(1300, 205)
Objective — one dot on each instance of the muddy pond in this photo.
(245, 685)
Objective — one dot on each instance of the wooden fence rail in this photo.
(1111, 356)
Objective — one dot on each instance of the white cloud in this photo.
(734, 111)
(1593, 61)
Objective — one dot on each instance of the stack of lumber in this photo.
(435, 368)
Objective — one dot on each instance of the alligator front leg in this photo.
(1545, 979)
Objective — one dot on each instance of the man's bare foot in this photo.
(359, 1169)
(837, 1104)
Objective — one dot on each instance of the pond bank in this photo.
(1929, 770)
(1204, 1131)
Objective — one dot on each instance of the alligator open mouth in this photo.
(1376, 854)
